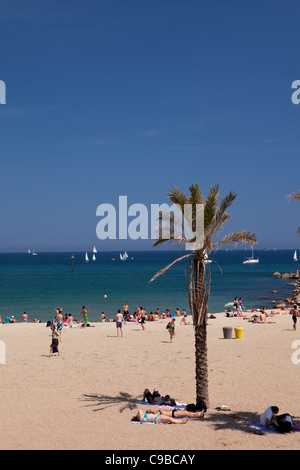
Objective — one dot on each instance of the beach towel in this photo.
(258, 428)
(222, 408)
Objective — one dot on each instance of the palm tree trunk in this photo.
(201, 364)
(198, 290)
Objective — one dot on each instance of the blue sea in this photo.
(38, 284)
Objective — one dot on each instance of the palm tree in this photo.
(197, 272)
(295, 197)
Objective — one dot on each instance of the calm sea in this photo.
(38, 284)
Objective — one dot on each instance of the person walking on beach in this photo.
(119, 320)
(171, 328)
(235, 305)
(59, 320)
(84, 313)
(143, 317)
(55, 341)
(294, 312)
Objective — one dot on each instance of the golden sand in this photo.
(85, 398)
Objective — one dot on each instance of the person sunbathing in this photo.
(156, 399)
(150, 417)
(176, 413)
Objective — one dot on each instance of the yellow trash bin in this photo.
(239, 332)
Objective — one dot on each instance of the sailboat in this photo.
(121, 257)
(251, 259)
(206, 260)
(94, 257)
(94, 250)
(86, 257)
(29, 252)
(295, 256)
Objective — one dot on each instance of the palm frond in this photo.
(163, 270)
(294, 196)
(195, 195)
(177, 196)
(237, 237)
(211, 207)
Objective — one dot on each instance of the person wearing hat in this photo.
(12, 319)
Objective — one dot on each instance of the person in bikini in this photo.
(176, 413)
(150, 417)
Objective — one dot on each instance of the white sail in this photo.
(86, 257)
(29, 251)
(125, 255)
(295, 256)
(251, 259)
(121, 257)
(94, 250)
(94, 257)
(206, 260)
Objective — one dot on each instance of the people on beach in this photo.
(55, 341)
(176, 413)
(282, 423)
(267, 418)
(171, 328)
(103, 317)
(157, 418)
(119, 323)
(295, 313)
(240, 306)
(155, 398)
(59, 320)
(125, 309)
(184, 320)
(84, 313)
(263, 314)
(143, 317)
(25, 317)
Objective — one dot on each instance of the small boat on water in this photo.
(95, 250)
(94, 257)
(251, 259)
(86, 257)
(206, 259)
(295, 258)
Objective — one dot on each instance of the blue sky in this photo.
(109, 98)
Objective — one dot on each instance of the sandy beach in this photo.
(85, 398)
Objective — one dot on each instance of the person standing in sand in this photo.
(171, 328)
(294, 312)
(126, 310)
(119, 320)
(143, 317)
(59, 320)
(84, 313)
(54, 342)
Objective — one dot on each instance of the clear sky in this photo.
(113, 97)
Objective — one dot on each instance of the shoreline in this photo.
(95, 384)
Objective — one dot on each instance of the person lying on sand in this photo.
(156, 399)
(175, 413)
(150, 417)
